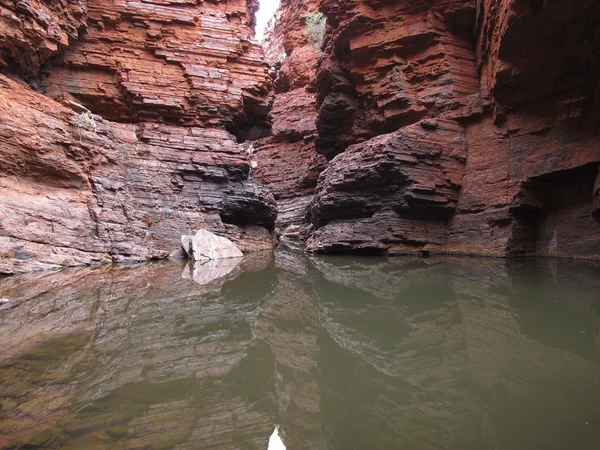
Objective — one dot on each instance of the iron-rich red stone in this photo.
(417, 127)
(168, 79)
(174, 61)
(287, 162)
(31, 31)
(523, 100)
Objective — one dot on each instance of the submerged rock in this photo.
(207, 246)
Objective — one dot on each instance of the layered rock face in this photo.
(32, 31)
(172, 87)
(532, 166)
(392, 193)
(288, 163)
(394, 85)
(417, 127)
(459, 127)
(195, 65)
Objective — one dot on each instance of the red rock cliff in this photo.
(417, 127)
(31, 31)
(287, 161)
(167, 83)
(458, 127)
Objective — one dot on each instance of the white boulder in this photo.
(207, 246)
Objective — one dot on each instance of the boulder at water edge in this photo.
(206, 246)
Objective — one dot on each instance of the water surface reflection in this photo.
(339, 353)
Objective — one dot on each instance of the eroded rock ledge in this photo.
(451, 127)
(443, 126)
(135, 141)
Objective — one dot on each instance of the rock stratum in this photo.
(288, 162)
(125, 134)
(466, 127)
(417, 127)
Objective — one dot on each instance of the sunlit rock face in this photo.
(172, 88)
(371, 353)
(516, 84)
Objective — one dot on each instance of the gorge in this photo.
(462, 127)
(391, 210)
(415, 127)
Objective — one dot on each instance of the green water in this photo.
(339, 353)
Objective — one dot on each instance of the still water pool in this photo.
(337, 353)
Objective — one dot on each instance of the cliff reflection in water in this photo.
(339, 353)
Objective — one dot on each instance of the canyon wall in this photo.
(120, 125)
(415, 127)
(288, 163)
(455, 127)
